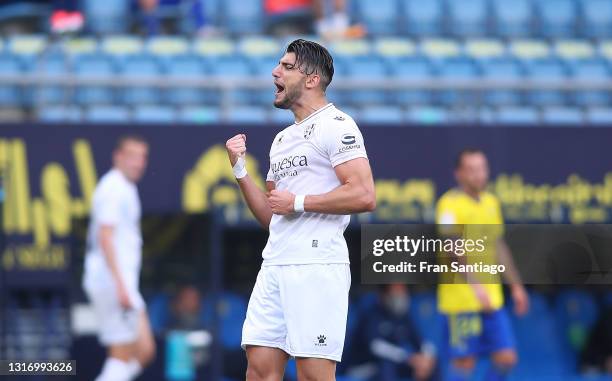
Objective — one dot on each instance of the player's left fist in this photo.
(281, 201)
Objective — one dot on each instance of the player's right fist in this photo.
(236, 147)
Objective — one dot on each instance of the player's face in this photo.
(289, 82)
(473, 172)
(131, 158)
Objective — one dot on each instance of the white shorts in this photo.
(300, 309)
(115, 324)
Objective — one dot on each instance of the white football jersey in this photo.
(115, 203)
(302, 161)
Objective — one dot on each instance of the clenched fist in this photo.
(236, 147)
(281, 201)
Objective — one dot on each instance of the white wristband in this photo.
(298, 203)
(239, 168)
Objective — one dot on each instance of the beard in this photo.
(288, 100)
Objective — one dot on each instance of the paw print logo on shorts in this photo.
(321, 341)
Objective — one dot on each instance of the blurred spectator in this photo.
(289, 17)
(597, 355)
(150, 12)
(335, 24)
(387, 346)
(66, 16)
(186, 310)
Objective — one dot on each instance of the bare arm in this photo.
(254, 196)
(512, 276)
(356, 194)
(257, 200)
(105, 236)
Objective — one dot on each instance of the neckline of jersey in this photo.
(314, 113)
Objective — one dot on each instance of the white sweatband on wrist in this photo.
(298, 203)
(239, 168)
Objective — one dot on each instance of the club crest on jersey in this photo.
(308, 131)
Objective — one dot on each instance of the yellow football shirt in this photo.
(457, 207)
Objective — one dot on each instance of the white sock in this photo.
(135, 369)
(115, 370)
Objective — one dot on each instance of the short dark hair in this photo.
(313, 58)
(466, 151)
(130, 138)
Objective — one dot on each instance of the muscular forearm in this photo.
(256, 200)
(504, 257)
(346, 199)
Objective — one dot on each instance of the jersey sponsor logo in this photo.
(308, 131)
(279, 140)
(348, 139)
(339, 117)
(289, 162)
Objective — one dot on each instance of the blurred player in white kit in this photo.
(113, 261)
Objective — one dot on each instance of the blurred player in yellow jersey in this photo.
(476, 322)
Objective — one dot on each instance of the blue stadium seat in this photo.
(233, 67)
(158, 308)
(557, 17)
(379, 17)
(561, 116)
(539, 343)
(243, 17)
(417, 68)
(599, 116)
(457, 69)
(594, 70)
(107, 114)
(231, 308)
(246, 115)
(429, 322)
(576, 312)
(517, 115)
(421, 18)
(199, 115)
(366, 68)
(501, 69)
(512, 18)
(109, 16)
(545, 69)
(468, 17)
(95, 65)
(154, 114)
(182, 67)
(60, 114)
(282, 117)
(386, 115)
(140, 66)
(597, 18)
(10, 95)
(263, 54)
(427, 115)
(55, 66)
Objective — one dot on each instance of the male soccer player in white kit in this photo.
(319, 174)
(112, 265)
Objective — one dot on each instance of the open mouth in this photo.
(279, 88)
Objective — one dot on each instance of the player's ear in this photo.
(313, 81)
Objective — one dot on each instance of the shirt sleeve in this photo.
(109, 207)
(342, 141)
(270, 176)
